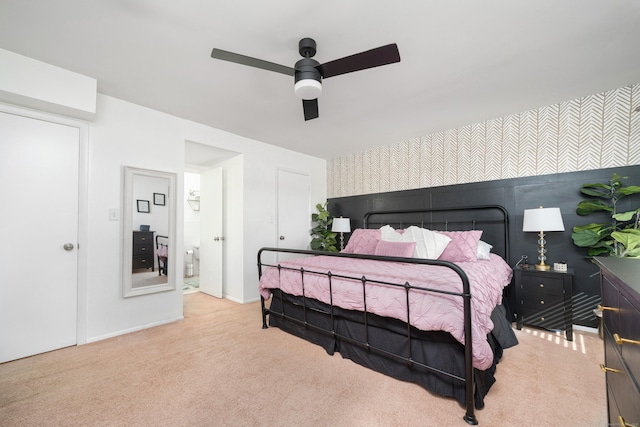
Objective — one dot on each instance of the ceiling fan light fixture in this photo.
(308, 89)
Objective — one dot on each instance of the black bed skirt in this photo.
(314, 322)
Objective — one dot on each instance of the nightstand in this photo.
(543, 299)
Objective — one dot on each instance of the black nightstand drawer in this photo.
(548, 319)
(141, 261)
(542, 285)
(142, 248)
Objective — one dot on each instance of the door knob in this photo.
(217, 239)
(281, 237)
(68, 246)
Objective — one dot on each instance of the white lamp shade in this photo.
(341, 225)
(542, 219)
(308, 89)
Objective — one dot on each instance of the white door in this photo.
(39, 229)
(211, 232)
(294, 217)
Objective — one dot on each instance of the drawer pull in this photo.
(622, 422)
(542, 285)
(603, 308)
(542, 302)
(621, 341)
(605, 369)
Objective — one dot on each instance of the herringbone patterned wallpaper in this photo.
(593, 132)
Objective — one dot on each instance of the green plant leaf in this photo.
(586, 238)
(631, 189)
(593, 226)
(598, 251)
(625, 216)
(596, 191)
(629, 238)
(586, 207)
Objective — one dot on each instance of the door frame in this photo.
(83, 204)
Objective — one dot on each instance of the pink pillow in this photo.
(401, 249)
(363, 241)
(462, 247)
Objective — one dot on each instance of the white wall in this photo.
(260, 163)
(125, 134)
(34, 84)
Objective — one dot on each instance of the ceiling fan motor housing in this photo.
(307, 79)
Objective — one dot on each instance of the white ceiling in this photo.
(462, 61)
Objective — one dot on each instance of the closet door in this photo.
(39, 230)
(294, 217)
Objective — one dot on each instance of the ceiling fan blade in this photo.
(361, 61)
(251, 62)
(310, 107)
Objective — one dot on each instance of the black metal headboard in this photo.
(493, 220)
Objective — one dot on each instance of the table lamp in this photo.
(541, 220)
(341, 225)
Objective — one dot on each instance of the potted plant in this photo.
(323, 239)
(620, 237)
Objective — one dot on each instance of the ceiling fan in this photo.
(308, 72)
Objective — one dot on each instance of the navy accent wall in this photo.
(516, 195)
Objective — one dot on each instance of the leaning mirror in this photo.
(149, 231)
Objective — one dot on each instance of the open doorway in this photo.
(204, 219)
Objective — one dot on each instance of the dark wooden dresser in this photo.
(620, 281)
(142, 250)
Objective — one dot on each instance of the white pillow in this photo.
(388, 234)
(429, 244)
(483, 250)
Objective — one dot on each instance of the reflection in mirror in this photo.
(149, 229)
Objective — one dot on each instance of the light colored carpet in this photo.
(219, 368)
(147, 278)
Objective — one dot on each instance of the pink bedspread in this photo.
(429, 311)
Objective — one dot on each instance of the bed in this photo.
(385, 304)
(162, 252)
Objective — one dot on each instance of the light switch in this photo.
(114, 214)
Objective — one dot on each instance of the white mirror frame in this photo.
(127, 232)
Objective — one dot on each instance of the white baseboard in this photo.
(585, 329)
(137, 328)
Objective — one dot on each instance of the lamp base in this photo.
(542, 266)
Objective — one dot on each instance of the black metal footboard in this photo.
(308, 308)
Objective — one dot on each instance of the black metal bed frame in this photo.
(468, 379)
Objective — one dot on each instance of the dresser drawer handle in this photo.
(542, 302)
(542, 285)
(603, 308)
(143, 249)
(622, 422)
(605, 369)
(143, 238)
(621, 341)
